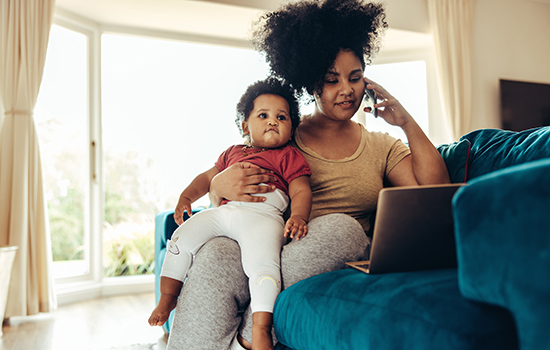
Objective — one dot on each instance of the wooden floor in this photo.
(96, 325)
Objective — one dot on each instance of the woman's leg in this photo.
(216, 293)
(210, 306)
(332, 240)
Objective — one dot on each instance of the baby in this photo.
(267, 115)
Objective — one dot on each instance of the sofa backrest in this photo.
(495, 149)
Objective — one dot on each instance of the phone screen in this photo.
(370, 100)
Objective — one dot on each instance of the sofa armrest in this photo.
(503, 245)
(164, 227)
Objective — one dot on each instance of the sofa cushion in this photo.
(494, 149)
(503, 246)
(348, 309)
(456, 157)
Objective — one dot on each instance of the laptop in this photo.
(413, 230)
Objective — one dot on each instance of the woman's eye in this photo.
(331, 82)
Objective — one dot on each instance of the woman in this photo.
(319, 48)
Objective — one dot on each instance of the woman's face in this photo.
(343, 88)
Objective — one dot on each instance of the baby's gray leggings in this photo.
(213, 304)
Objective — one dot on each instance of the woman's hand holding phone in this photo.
(390, 109)
(370, 101)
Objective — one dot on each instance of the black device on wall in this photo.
(524, 105)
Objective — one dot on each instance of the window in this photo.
(61, 117)
(168, 112)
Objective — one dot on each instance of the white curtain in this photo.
(24, 31)
(451, 23)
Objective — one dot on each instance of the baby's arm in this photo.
(196, 189)
(300, 207)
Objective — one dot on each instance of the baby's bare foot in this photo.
(261, 337)
(160, 314)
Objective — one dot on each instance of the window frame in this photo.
(93, 216)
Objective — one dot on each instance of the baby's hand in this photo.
(184, 204)
(295, 227)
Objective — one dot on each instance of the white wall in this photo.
(409, 15)
(511, 41)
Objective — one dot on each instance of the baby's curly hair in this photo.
(271, 86)
(302, 39)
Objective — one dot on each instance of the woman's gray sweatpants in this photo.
(213, 305)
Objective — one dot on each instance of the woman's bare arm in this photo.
(425, 165)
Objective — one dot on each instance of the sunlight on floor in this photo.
(95, 325)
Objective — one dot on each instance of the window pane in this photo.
(168, 112)
(61, 117)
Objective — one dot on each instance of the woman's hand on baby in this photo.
(393, 112)
(296, 226)
(184, 204)
(240, 180)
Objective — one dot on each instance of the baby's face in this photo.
(269, 124)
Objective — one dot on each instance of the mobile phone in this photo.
(370, 101)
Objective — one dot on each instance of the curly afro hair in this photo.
(302, 39)
(271, 86)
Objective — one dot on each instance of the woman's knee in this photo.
(217, 268)
(340, 233)
(331, 241)
(220, 258)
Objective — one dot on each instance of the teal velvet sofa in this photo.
(497, 298)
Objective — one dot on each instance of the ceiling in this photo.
(221, 19)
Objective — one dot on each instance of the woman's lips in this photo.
(346, 104)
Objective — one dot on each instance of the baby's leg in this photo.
(169, 292)
(262, 324)
(185, 242)
(332, 240)
(261, 240)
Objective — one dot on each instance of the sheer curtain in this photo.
(451, 23)
(24, 31)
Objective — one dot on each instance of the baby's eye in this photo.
(281, 117)
(262, 115)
